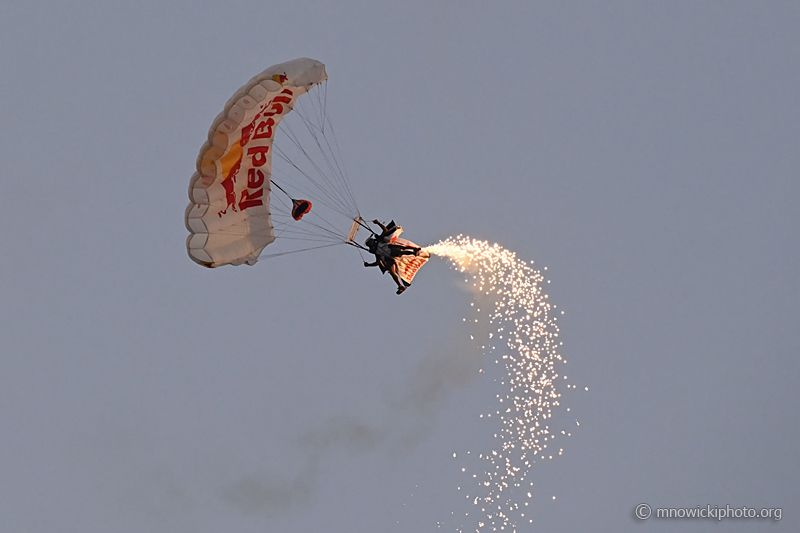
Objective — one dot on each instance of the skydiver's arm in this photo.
(383, 228)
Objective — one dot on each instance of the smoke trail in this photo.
(409, 416)
(266, 494)
(524, 338)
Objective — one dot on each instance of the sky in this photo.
(645, 153)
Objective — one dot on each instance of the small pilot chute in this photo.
(300, 208)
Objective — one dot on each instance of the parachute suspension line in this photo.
(324, 107)
(333, 202)
(325, 199)
(332, 230)
(335, 172)
(330, 155)
(333, 158)
(359, 246)
(326, 121)
(296, 227)
(345, 179)
(325, 230)
(270, 256)
(308, 230)
(365, 226)
(334, 189)
(320, 94)
(336, 194)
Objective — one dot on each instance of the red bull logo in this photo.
(410, 265)
(280, 78)
(228, 184)
(413, 266)
(261, 131)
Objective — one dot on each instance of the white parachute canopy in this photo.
(234, 212)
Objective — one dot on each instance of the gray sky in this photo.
(646, 153)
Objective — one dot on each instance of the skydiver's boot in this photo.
(400, 290)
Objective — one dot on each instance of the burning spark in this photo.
(524, 336)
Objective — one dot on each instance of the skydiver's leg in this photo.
(393, 272)
(400, 249)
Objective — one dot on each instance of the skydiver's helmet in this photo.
(372, 243)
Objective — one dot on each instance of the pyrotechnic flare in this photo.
(524, 337)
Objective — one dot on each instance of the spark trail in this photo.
(524, 337)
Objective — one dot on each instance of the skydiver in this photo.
(386, 253)
(385, 262)
(395, 248)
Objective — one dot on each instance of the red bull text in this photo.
(255, 142)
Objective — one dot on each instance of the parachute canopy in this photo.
(230, 216)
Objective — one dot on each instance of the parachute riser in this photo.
(351, 237)
(359, 246)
